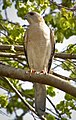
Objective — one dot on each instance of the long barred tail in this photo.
(40, 98)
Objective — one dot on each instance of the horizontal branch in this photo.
(64, 77)
(9, 47)
(65, 56)
(20, 48)
(60, 6)
(12, 55)
(49, 79)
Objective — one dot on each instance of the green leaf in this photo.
(64, 23)
(29, 93)
(68, 33)
(66, 3)
(50, 91)
(60, 106)
(6, 3)
(69, 97)
(50, 117)
(20, 13)
(63, 118)
(3, 101)
(71, 48)
(53, 6)
(49, 19)
(59, 36)
(73, 75)
(68, 65)
(0, 15)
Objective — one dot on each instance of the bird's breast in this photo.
(38, 34)
(38, 45)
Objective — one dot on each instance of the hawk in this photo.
(39, 50)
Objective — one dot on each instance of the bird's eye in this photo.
(31, 13)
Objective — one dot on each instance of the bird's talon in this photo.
(44, 72)
(33, 71)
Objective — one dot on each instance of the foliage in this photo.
(50, 91)
(3, 100)
(66, 106)
(50, 117)
(63, 20)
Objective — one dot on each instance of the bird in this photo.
(39, 50)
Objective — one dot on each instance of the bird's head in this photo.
(34, 17)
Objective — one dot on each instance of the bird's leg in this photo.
(31, 71)
(51, 71)
(44, 71)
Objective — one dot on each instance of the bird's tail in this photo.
(40, 98)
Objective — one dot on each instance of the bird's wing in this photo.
(52, 49)
(25, 45)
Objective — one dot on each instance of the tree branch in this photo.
(9, 47)
(20, 48)
(64, 77)
(6, 20)
(65, 55)
(53, 106)
(19, 95)
(49, 79)
(60, 6)
(12, 55)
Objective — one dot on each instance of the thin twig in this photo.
(20, 96)
(9, 21)
(64, 77)
(60, 6)
(22, 99)
(53, 114)
(5, 35)
(69, 48)
(67, 66)
(53, 106)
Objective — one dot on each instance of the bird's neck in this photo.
(37, 23)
